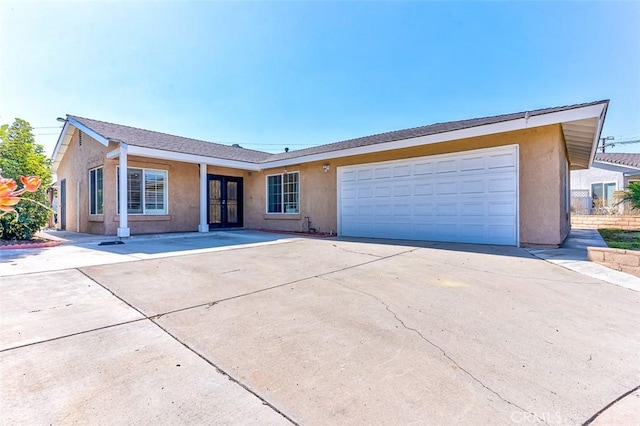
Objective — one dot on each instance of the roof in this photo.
(581, 126)
(430, 129)
(620, 158)
(149, 139)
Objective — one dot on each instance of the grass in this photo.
(617, 238)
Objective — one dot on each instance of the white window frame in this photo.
(282, 202)
(99, 209)
(603, 184)
(145, 211)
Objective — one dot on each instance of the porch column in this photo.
(204, 226)
(123, 229)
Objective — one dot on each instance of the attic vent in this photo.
(80, 138)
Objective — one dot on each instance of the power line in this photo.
(604, 144)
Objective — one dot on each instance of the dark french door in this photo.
(225, 201)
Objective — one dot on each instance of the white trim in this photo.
(191, 158)
(339, 200)
(596, 136)
(621, 166)
(266, 181)
(603, 183)
(113, 154)
(121, 190)
(502, 127)
(97, 136)
(143, 195)
(203, 226)
(517, 147)
(592, 111)
(63, 142)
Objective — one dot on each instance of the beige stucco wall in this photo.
(542, 162)
(74, 167)
(183, 184)
(541, 157)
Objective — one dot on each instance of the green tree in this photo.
(20, 155)
(632, 194)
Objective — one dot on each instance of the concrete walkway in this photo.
(81, 250)
(572, 254)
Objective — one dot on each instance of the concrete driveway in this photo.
(307, 331)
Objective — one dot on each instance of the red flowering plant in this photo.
(25, 174)
(10, 194)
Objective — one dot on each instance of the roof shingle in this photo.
(621, 158)
(150, 139)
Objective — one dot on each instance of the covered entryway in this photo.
(224, 201)
(469, 197)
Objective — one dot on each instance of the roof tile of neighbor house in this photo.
(623, 159)
(150, 139)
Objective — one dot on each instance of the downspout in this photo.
(78, 206)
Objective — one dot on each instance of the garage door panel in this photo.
(472, 164)
(423, 189)
(502, 161)
(475, 186)
(475, 208)
(365, 174)
(502, 184)
(465, 197)
(446, 188)
(382, 191)
(382, 172)
(402, 190)
(423, 168)
(400, 171)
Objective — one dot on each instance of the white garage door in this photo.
(469, 197)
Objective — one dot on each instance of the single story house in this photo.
(494, 180)
(593, 189)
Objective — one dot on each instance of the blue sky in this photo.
(269, 75)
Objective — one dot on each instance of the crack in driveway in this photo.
(444, 353)
(611, 404)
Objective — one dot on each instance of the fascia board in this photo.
(596, 136)
(190, 158)
(97, 136)
(616, 167)
(489, 129)
(63, 142)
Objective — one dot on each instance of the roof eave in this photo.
(184, 157)
(65, 138)
(617, 165)
(558, 117)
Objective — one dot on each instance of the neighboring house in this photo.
(495, 180)
(592, 190)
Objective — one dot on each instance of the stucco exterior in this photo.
(602, 173)
(543, 213)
